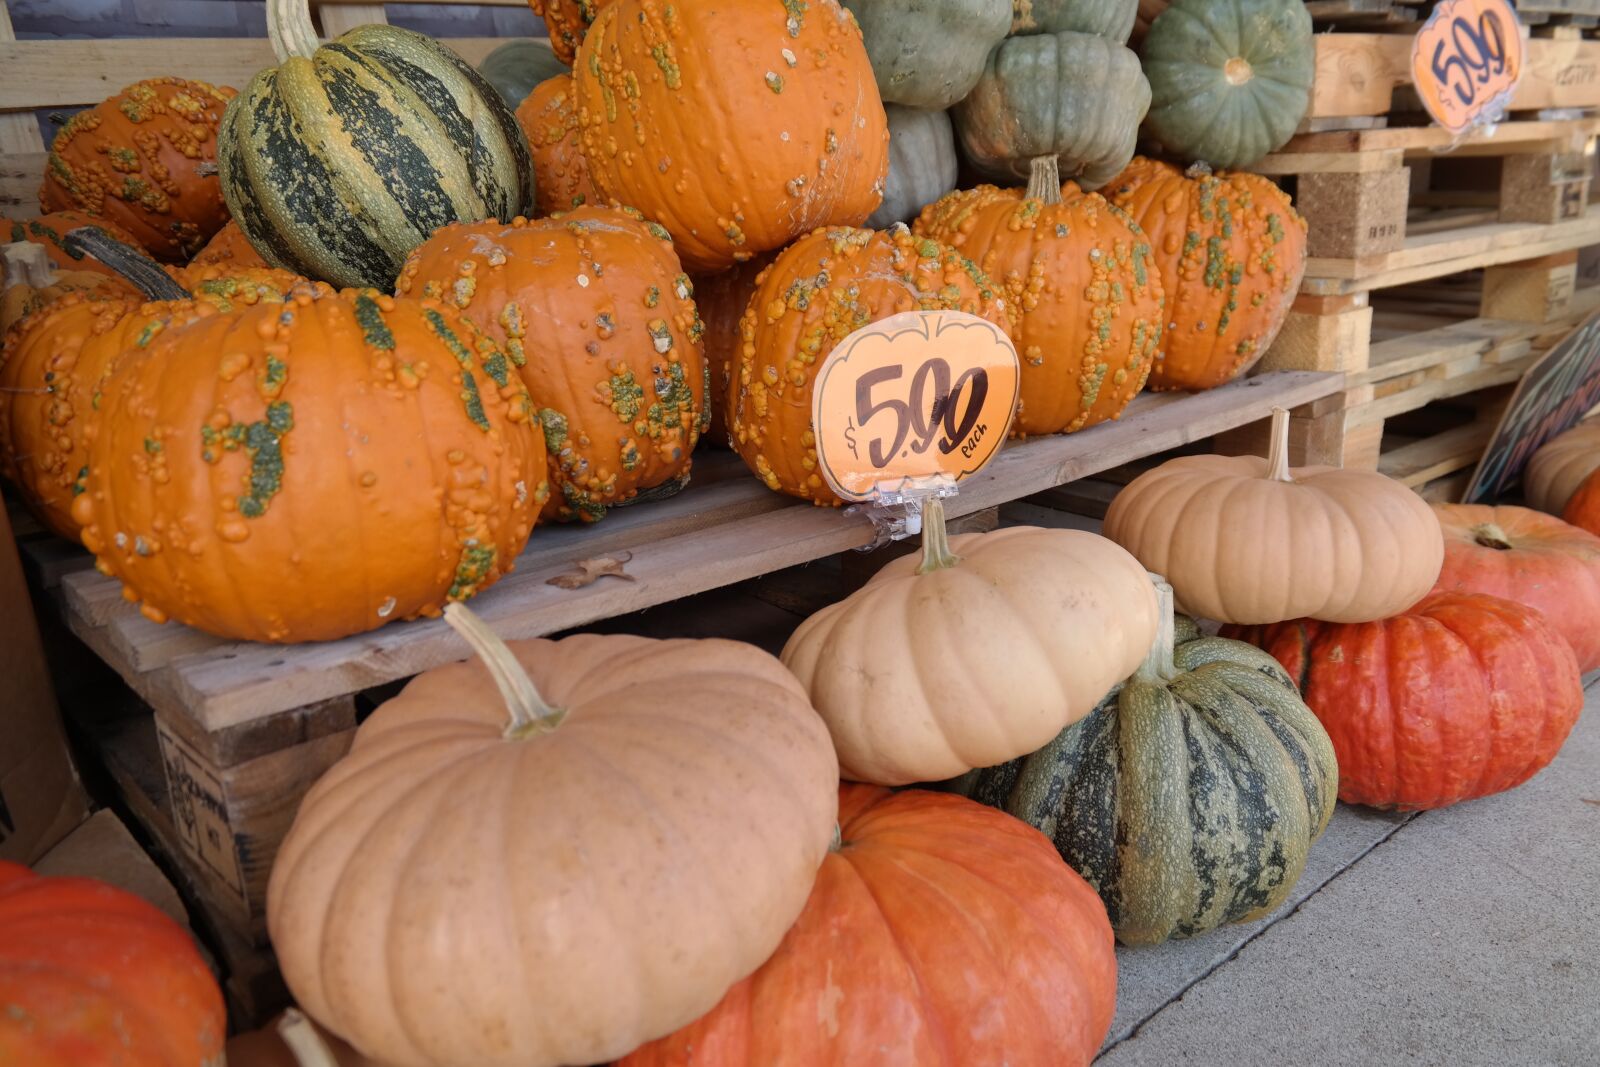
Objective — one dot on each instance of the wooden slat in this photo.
(1421, 140)
(1433, 457)
(750, 532)
(1473, 338)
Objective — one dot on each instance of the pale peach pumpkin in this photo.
(1560, 465)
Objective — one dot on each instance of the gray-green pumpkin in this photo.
(1230, 79)
(922, 164)
(1190, 797)
(1074, 96)
(343, 158)
(517, 66)
(929, 53)
(1111, 19)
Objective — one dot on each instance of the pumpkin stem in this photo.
(142, 272)
(1044, 179)
(1158, 668)
(936, 554)
(289, 26)
(530, 714)
(1278, 450)
(1489, 535)
(305, 1044)
(1237, 70)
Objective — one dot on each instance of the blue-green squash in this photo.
(1190, 797)
(1111, 19)
(517, 66)
(922, 164)
(1230, 80)
(341, 159)
(929, 53)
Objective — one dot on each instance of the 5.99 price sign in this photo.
(913, 399)
(1466, 61)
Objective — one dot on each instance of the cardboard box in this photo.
(41, 798)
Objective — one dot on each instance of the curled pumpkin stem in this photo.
(1158, 667)
(1044, 179)
(1278, 450)
(529, 713)
(140, 271)
(305, 1044)
(936, 554)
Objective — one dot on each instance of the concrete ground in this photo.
(1466, 937)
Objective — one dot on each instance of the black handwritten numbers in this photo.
(930, 405)
(1470, 56)
(1466, 61)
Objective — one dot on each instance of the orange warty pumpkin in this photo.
(1583, 509)
(1230, 249)
(567, 21)
(90, 974)
(229, 245)
(721, 299)
(1529, 557)
(1086, 297)
(969, 942)
(549, 116)
(737, 126)
(599, 318)
(22, 299)
(55, 363)
(1462, 696)
(953, 212)
(135, 161)
(50, 230)
(820, 290)
(306, 472)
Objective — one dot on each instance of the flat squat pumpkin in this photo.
(1192, 795)
(598, 318)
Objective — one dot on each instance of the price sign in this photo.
(913, 400)
(1466, 61)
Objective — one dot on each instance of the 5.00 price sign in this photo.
(1466, 61)
(913, 399)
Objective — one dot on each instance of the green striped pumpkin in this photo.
(343, 158)
(1191, 795)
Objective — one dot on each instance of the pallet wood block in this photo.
(1539, 290)
(1354, 215)
(1544, 188)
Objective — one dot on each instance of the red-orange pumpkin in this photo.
(145, 160)
(91, 975)
(820, 290)
(1583, 510)
(940, 933)
(49, 231)
(599, 318)
(549, 117)
(721, 300)
(1532, 558)
(1462, 696)
(229, 245)
(1230, 249)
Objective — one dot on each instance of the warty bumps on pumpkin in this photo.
(307, 471)
(597, 315)
(738, 126)
(549, 116)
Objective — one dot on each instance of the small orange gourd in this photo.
(721, 299)
(229, 245)
(549, 116)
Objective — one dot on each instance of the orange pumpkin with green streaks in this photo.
(1230, 249)
(721, 299)
(599, 318)
(738, 126)
(48, 231)
(952, 213)
(136, 161)
(309, 471)
(55, 362)
(820, 290)
(549, 116)
(229, 245)
(1086, 297)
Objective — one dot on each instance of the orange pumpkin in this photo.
(23, 298)
(599, 318)
(145, 160)
(952, 213)
(306, 472)
(721, 299)
(1583, 508)
(567, 21)
(737, 126)
(93, 975)
(229, 245)
(549, 116)
(820, 290)
(966, 940)
(49, 231)
(1086, 297)
(1230, 249)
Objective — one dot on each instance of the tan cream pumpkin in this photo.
(1248, 540)
(555, 853)
(1560, 466)
(978, 651)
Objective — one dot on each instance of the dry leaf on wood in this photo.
(589, 570)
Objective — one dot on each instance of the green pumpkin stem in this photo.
(305, 1044)
(936, 554)
(138, 269)
(1278, 450)
(1044, 180)
(289, 26)
(530, 714)
(1158, 667)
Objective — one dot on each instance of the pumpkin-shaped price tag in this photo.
(1466, 62)
(913, 401)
